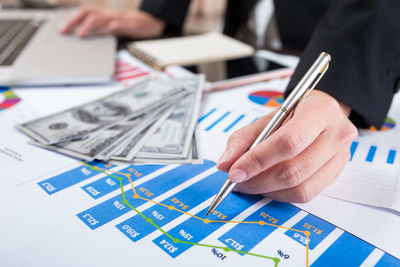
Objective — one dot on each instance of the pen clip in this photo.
(314, 82)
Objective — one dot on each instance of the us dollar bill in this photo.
(193, 157)
(132, 146)
(95, 142)
(76, 123)
(174, 137)
(138, 124)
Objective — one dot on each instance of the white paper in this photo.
(44, 225)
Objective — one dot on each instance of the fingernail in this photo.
(236, 189)
(237, 176)
(225, 156)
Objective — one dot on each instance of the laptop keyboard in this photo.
(15, 34)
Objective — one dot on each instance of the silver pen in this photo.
(300, 92)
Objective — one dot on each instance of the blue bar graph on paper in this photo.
(108, 184)
(246, 236)
(218, 121)
(347, 250)
(391, 156)
(318, 228)
(230, 126)
(387, 260)
(69, 178)
(206, 115)
(371, 154)
(195, 230)
(255, 119)
(353, 148)
(135, 228)
(114, 207)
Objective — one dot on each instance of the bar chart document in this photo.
(98, 214)
(155, 214)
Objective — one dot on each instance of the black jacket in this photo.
(363, 37)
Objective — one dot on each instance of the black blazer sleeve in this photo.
(363, 38)
(172, 12)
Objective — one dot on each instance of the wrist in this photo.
(345, 109)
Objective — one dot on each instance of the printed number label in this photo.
(168, 246)
(185, 235)
(157, 215)
(130, 231)
(89, 218)
(234, 244)
(85, 171)
(301, 238)
(110, 182)
(119, 205)
(49, 187)
(218, 254)
(92, 191)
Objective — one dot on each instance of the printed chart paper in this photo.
(68, 213)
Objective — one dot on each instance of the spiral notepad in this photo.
(190, 50)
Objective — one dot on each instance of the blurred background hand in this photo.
(132, 23)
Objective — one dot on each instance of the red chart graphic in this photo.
(125, 71)
(267, 98)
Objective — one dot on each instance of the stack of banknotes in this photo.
(151, 122)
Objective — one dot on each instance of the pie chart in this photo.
(271, 99)
(387, 125)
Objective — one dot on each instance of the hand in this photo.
(300, 159)
(131, 23)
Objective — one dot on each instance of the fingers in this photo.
(288, 141)
(114, 27)
(240, 141)
(292, 172)
(75, 20)
(88, 24)
(315, 184)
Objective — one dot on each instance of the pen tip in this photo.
(208, 212)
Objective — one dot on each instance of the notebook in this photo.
(189, 50)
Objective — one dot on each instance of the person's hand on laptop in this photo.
(132, 23)
(300, 159)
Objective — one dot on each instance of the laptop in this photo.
(32, 52)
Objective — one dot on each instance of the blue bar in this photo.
(206, 115)
(135, 228)
(108, 184)
(113, 208)
(391, 156)
(319, 230)
(246, 236)
(347, 250)
(234, 123)
(195, 230)
(371, 154)
(71, 177)
(255, 119)
(217, 121)
(388, 260)
(353, 148)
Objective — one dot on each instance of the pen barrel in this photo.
(308, 82)
(301, 91)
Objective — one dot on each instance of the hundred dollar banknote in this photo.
(193, 157)
(133, 144)
(76, 123)
(174, 137)
(95, 142)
